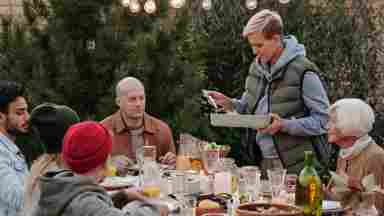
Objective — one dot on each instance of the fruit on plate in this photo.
(208, 204)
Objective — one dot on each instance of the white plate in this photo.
(240, 120)
(331, 205)
(118, 182)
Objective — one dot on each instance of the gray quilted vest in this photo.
(285, 99)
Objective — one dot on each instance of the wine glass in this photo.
(149, 152)
(211, 161)
(276, 178)
(251, 175)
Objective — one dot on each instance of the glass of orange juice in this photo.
(110, 169)
(151, 179)
(152, 191)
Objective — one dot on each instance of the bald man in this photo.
(132, 127)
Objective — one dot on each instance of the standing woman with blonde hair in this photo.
(48, 122)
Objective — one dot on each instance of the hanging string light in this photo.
(177, 3)
(91, 45)
(134, 6)
(206, 4)
(125, 3)
(251, 4)
(284, 1)
(150, 6)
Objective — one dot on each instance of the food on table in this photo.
(116, 182)
(208, 204)
(110, 171)
(212, 146)
(269, 209)
(212, 203)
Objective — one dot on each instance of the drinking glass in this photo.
(290, 182)
(178, 182)
(290, 187)
(149, 152)
(189, 204)
(151, 179)
(211, 161)
(191, 149)
(140, 161)
(182, 158)
(251, 175)
(265, 191)
(276, 177)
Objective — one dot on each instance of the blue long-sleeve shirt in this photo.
(13, 171)
(315, 99)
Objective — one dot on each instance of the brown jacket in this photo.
(369, 161)
(156, 132)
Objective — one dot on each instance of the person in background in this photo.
(48, 123)
(76, 190)
(132, 128)
(283, 83)
(13, 167)
(350, 121)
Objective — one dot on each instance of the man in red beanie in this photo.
(86, 147)
(132, 127)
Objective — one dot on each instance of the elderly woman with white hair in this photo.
(350, 120)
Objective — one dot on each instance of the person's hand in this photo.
(135, 193)
(224, 102)
(327, 190)
(163, 210)
(169, 159)
(122, 163)
(355, 184)
(277, 124)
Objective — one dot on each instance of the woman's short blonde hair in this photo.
(354, 117)
(267, 22)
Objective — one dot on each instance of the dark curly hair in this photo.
(9, 91)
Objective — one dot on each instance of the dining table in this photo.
(195, 185)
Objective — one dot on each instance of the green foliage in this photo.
(332, 42)
(175, 56)
(64, 67)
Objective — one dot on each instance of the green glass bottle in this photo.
(308, 188)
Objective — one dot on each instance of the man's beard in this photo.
(15, 132)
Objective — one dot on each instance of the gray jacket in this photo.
(65, 194)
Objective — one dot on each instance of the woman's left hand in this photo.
(277, 124)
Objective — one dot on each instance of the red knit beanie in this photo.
(86, 145)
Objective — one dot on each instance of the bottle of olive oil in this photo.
(308, 188)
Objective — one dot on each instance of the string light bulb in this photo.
(251, 4)
(150, 6)
(206, 4)
(125, 3)
(177, 3)
(134, 6)
(284, 1)
(91, 45)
